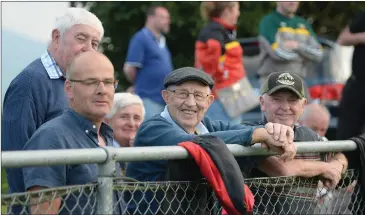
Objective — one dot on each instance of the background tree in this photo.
(122, 19)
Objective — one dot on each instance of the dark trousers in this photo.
(351, 118)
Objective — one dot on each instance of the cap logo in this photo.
(286, 79)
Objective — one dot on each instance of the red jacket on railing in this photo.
(222, 172)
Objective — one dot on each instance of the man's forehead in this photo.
(85, 30)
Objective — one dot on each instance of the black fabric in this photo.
(184, 74)
(356, 160)
(216, 31)
(227, 166)
(358, 62)
(351, 117)
(188, 170)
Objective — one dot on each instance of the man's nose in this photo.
(87, 46)
(190, 100)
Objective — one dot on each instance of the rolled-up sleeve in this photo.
(45, 176)
(135, 54)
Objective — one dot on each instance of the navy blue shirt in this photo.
(153, 61)
(68, 131)
(34, 97)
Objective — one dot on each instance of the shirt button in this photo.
(94, 126)
(87, 131)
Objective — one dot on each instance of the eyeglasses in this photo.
(183, 94)
(94, 83)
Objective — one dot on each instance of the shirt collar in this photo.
(53, 70)
(161, 41)
(87, 126)
(115, 144)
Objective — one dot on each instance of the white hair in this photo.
(76, 16)
(122, 100)
(311, 109)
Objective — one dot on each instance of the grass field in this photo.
(4, 188)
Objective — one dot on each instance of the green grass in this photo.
(4, 188)
(4, 181)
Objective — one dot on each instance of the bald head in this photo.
(90, 85)
(316, 117)
(86, 60)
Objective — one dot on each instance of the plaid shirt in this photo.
(53, 70)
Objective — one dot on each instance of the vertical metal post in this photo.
(104, 196)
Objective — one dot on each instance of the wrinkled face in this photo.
(161, 20)
(79, 38)
(188, 109)
(289, 7)
(91, 88)
(233, 13)
(126, 122)
(318, 123)
(282, 107)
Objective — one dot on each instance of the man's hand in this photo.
(278, 138)
(287, 151)
(281, 133)
(331, 176)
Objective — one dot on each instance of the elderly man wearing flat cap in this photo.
(282, 101)
(188, 95)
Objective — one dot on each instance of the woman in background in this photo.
(125, 118)
(218, 53)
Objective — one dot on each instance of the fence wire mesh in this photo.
(80, 199)
(274, 195)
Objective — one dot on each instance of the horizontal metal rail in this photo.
(100, 155)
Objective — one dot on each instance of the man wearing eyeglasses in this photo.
(188, 95)
(89, 87)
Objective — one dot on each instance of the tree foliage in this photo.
(122, 19)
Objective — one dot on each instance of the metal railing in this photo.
(113, 195)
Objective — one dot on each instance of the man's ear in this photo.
(210, 100)
(68, 89)
(56, 35)
(262, 101)
(304, 102)
(165, 96)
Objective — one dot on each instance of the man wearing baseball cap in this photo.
(282, 101)
(188, 95)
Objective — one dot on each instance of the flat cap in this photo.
(184, 74)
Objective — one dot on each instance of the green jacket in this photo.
(275, 30)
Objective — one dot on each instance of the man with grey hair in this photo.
(36, 95)
(316, 117)
(282, 101)
(188, 95)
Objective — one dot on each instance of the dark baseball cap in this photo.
(184, 74)
(283, 80)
